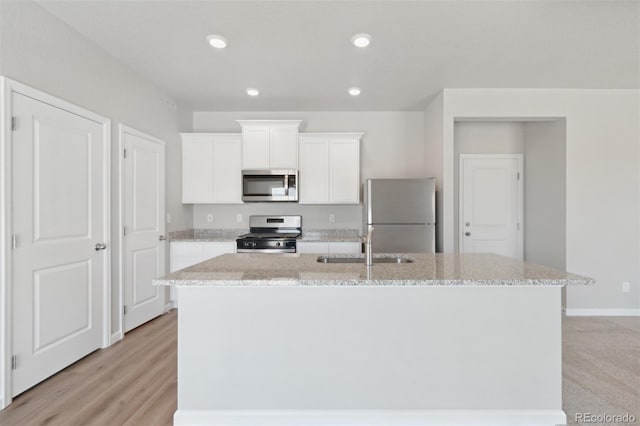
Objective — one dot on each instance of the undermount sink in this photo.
(376, 259)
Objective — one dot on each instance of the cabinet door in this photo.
(197, 170)
(227, 169)
(283, 148)
(314, 170)
(255, 148)
(312, 247)
(183, 254)
(211, 250)
(344, 247)
(344, 171)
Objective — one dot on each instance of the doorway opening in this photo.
(542, 143)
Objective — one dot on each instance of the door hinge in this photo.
(124, 310)
(14, 123)
(14, 362)
(125, 153)
(124, 231)
(14, 242)
(518, 176)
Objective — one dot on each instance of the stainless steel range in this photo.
(271, 234)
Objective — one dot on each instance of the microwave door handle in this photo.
(286, 184)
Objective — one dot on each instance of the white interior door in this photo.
(491, 204)
(144, 245)
(60, 184)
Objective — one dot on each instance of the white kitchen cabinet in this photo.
(329, 168)
(269, 144)
(186, 253)
(345, 247)
(312, 247)
(211, 168)
(329, 247)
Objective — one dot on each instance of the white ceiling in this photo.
(299, 55)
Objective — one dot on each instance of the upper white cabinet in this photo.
(329, 168)
(211, 168)
(269, 144)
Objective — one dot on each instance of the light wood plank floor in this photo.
(134, 381)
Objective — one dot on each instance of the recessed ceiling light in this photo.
(253, 92)
(217, 41)
(361, 40)
(354, 91)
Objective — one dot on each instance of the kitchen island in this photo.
(446, 339)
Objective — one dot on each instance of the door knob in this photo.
(163, 237)
(101, 246)
(468, 234)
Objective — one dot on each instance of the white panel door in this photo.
(59, 185)
(227, 169)
(491, 204)
(314, 170)
(283, 148)
(144, 251)
(197, 170)
(255, 148)
(344, 171)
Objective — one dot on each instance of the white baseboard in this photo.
(116, 337)
(602, 312)
(368, 417)
(167, 307)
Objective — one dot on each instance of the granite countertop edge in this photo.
(372, 283)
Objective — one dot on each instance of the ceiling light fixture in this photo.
(354, 91)
(217, 41)
(361, 40)
(253, 92)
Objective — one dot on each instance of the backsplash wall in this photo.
(313, 216)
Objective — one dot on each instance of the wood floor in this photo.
(134, 381)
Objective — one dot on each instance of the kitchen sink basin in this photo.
(376, 259)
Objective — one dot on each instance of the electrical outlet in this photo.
(626, 287)
(168, 217)
(332, 218)
(239, 218)
(209, 218)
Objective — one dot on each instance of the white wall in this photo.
(434, 157)
(482, 137)
(545, 193)
(602, 185)
(392, 147)
(41, 51)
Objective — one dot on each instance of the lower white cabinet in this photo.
(337, 247)
(186, 253)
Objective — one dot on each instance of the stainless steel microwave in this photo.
(270, 185)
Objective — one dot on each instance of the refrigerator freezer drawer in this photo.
(403, 239)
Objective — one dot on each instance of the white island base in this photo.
(369, 355)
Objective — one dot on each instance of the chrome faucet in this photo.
(368, 251)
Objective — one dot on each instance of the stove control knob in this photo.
(278, 244)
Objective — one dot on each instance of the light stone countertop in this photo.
(222, 235)
(330, 235)
(207, 235)
(265, 270)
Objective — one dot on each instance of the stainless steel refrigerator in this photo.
(403, 213)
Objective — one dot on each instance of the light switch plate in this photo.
(332, 218)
